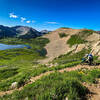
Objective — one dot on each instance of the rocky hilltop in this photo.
(64, 40)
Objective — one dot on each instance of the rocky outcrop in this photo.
(80, 47)
(96, 49)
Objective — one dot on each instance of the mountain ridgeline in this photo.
(20, 31)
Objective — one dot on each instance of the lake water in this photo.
(5, 46)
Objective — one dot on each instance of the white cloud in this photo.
(28, 21)
(51, 22)
(22, 19)
(11, 15)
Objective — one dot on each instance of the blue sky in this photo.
(51, 14)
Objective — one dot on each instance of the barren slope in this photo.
(57, 45)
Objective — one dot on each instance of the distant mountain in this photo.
(98, 32)
(19, 31)
(26, 32)
(7, 31)
(44, 31)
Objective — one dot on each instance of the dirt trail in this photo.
(33, 79)
(94, 91)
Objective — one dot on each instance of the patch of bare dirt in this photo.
(94, 91)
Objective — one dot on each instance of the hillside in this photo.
(6, 31)
(58, 45)
(52, 68)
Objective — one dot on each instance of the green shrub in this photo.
(92, 75)
(75, 39)
(86, 33)
(8, 72)
(42, 52)
(61, 35)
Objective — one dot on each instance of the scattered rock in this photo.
(56, 64)
(66, 98)
(26, 98)
(52, 65)
(14, 85)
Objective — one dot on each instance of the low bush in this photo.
(75, 39)
(86, 33)
(7, 72)
(61, 35)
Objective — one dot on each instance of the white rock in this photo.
(14, 85)
(66, 98)
(26, 98)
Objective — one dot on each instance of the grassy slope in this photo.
(21, 63)
(80, 37)
(71, 57)
(21, 66)
(57, 86)
(75, 39)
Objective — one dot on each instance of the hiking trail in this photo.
(92, 88)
